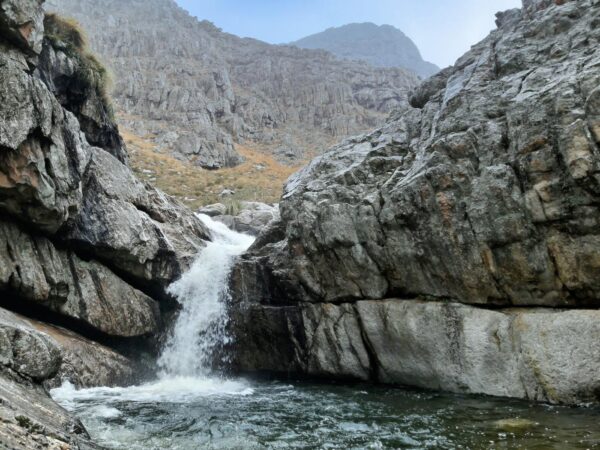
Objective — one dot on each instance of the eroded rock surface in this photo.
(444, 346)
(31, 353)
(484, 192)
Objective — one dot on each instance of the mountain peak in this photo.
(378, 45)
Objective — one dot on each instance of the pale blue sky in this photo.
(442, 29)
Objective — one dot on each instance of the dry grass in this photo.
(68, 35)
(259, 178)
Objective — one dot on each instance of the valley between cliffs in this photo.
(456, 248)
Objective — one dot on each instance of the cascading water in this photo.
(200, 329)
(202, 292)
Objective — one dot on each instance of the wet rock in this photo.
(33, 269)
(30, 419)
(86, 363)
(53, 355)
(29, 353)
(458, 348)
(217, 209)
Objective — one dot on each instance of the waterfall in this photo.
(200, 329)
(202, 293)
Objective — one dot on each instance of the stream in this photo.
(190, 407)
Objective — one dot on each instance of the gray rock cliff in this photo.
(394, 247)
(196, 90)
(84, 244)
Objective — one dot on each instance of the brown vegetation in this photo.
(67, 35)
(259, 178)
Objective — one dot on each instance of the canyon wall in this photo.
(87, 249)
(458, 246)
(195, 91)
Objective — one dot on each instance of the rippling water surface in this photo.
(189, 413)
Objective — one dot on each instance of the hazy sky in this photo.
(442, 29)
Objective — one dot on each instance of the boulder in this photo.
(216, 209)
(31, 419)
(25, 351)
(52, 355)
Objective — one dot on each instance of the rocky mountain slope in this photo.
(196, 91)
(458, 246)
(380, 46)
(86, 247)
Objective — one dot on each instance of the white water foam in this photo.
(185, 363)
(203, 293)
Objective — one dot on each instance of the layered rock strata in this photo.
(484, 192)
(83, 243)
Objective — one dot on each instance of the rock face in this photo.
(380, 46)
(484, 192)
(197, 90)
(84, 243)
(31, 353)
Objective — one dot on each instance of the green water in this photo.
(192, 413)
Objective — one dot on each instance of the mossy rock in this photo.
(68, 36)
(515, 425)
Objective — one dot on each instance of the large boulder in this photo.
(53, 355)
